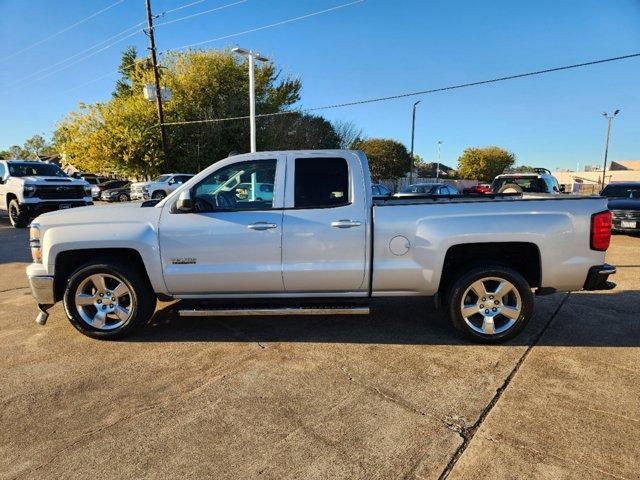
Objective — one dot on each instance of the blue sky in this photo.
(370, 49)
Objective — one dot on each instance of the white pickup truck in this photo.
(29, 188)
(320, 246)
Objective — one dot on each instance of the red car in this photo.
(483, 188)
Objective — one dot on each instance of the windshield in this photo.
(162, 178)
(417, 189)
(35, 169)
(621, 191)
(528, 184)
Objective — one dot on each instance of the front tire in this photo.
(108, 300)
(123, 197)
(18, 215)
(490, 304)
(159, 195)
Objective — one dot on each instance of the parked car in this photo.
(94, 181)
(379, 190)
(96, 190)
(624, 203)
(116, 191)
(264, 191)
(317, 238)
(422, 189)
(539, 181)
(480, 189)
(159, 187)
(29, 188)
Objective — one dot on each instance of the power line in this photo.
(65, 60)
(200, 13)
(64, 67)
(166, 12)
(60, 32)
(290, 20)
(246, 31)
(420, 92)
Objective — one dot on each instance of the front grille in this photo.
(626, 214)
(59, 192)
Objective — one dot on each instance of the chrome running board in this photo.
(274, 312)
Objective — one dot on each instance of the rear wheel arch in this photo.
(523, 257)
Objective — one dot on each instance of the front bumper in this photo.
(42, 289)
(35, 209)
(597, 278)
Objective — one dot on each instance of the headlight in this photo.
(145, 189)
(87, 190)
(34, 243)
(29, 190)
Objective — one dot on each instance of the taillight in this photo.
(601, 230)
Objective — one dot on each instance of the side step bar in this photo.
(273, 312)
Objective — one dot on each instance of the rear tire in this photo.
(510, 188)
(108, 300)
(490, 304)
(18, 215)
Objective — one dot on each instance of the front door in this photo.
(325, 226)
(231, 243)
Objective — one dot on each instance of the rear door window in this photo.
(321, 182)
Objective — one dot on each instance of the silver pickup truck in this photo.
(319, 246)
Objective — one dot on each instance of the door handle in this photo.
(261, 226)
(345, 223)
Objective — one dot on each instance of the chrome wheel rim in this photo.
(104, 301)
(491, 305)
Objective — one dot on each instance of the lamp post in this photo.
(413, 130)
(606, 147)
(251, 57)
(438, 164)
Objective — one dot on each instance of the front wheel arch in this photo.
(69, 260)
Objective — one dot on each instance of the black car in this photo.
(624, 203)
(116, 191)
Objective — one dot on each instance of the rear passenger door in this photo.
(324, 225)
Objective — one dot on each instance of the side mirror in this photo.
(184, 203)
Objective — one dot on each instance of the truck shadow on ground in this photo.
(585, 319)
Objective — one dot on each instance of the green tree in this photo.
(388, 159)
(121, 135)
(484, 163)
(37, 145)
(16, 152)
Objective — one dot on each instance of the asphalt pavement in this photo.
(393, 395)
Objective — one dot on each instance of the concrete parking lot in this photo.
(395, 395)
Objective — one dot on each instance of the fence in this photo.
(398, 184)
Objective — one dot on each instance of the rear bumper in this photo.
(597, 278)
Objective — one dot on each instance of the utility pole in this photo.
(438, 164)
(413, 131)
(156, 77)
(606, 147)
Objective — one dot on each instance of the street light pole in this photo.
(438, 164)
(156, 78)
(606, 147)
(251, 57)
(413, 130)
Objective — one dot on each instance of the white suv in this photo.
(159, 187)
(539, 180)
(29, 188)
